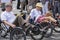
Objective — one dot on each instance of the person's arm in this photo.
(10, 24)
(4, 20)
(30, 15)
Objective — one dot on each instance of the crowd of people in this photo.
(38, 10)
(28, 5)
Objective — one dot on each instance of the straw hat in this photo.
(39, 5)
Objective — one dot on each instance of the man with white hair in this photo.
(3, 2)
(9, 19)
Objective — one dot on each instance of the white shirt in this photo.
(5, 1)
(34, 13)
(9, 17)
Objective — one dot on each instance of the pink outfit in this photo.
(40, 19)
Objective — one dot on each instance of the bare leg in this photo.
(19, 21)
(50, 19)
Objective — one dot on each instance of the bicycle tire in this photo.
(14, 31)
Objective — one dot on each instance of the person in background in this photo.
(18, 4)
(50, 5)
(22, 4)
(56, 4)
(31, 5)
(45, 6)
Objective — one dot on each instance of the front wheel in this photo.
(17, 34)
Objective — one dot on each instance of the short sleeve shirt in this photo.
(8, 16)
(34, 13)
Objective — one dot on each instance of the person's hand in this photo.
(13, 26)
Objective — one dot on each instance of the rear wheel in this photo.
(36, 34)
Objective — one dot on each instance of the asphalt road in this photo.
(55, 36)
